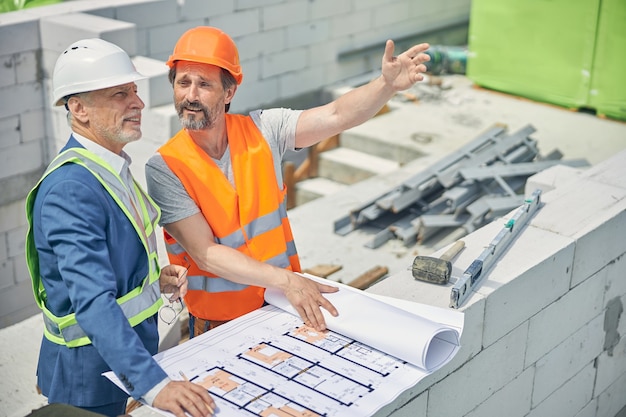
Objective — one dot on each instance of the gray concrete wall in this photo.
(288, 49)
(543, 334)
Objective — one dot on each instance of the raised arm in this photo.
(398, 73)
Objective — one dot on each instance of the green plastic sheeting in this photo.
(571, 53)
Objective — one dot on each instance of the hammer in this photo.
(436, 270)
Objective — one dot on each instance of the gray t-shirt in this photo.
(278, 127)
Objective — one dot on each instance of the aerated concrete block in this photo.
(572, 311)
(612, 400)
(149, 13)
(570, 398)
(156, 89)
(473, 383)
(348, 166)
(516, 395)
(60, 31)
(568, 359)
(534, 271)
(551, 178)
(592, 213)
(19, 32)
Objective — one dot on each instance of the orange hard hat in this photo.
(208, 45)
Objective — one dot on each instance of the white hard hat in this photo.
(91, 64)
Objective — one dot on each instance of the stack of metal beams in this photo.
(463, 191)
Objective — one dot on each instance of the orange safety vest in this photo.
(251, 218)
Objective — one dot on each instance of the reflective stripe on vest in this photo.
(251, 219)
(137, 305)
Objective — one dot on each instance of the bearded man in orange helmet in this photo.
(219, 183)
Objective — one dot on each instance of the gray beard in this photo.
(192, 124)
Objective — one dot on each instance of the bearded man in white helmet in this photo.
(91, 249)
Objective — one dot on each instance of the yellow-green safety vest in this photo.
(137, 305)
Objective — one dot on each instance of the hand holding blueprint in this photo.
(417, 339)
(268, 362)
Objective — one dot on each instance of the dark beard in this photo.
(191, 123)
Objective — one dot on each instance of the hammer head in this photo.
(433, 270)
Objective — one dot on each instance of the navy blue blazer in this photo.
(89, 255)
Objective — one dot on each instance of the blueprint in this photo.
(268, 363)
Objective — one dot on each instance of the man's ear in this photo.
(229, 94)
(76, 106)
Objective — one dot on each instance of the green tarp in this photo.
(566, 52)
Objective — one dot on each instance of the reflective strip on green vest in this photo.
(137, 305)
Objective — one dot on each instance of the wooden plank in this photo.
(366, 279)
(323, 270)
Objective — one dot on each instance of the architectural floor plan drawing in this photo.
(268, 363)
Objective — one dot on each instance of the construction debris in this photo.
(463, 191)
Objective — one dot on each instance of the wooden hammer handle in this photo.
(453, 251)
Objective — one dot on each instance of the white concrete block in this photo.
(569, 399)
(58, 32)
(160, 40)
(17, 238)
(18, 26)
(308, 33)
(589, 410)
(3, 247)
(239, 23)
(18, 98)
(323, 9)
(253, 4)
(155, 90)
(611, 363)
(21, 159)
(491, 370)
(348, 166)
(33, 125)
(616, 278)
(593, 214)
(284, 14)
(601, 245)
(202, 9)
(390, 14)
(612, 400)
(283, 62)
(159, 124)
(555, 323)
(26, 66)
(567, 359)
(551, 178)
(11, 215)
(415, 407)
(514, 397)
(148, 14)
(532, 273)
(7, 71)
(21, 269)
(7, 279)
(369, 4)
(9, 132)
(254, 93)
(301, 82)
(576, 207)
(255, 45)
(60, 129)
(611, 171)
(422, 9)
(350, 23)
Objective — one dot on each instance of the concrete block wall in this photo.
(287, 48)
(544, 331)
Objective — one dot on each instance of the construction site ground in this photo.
(433, 120)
